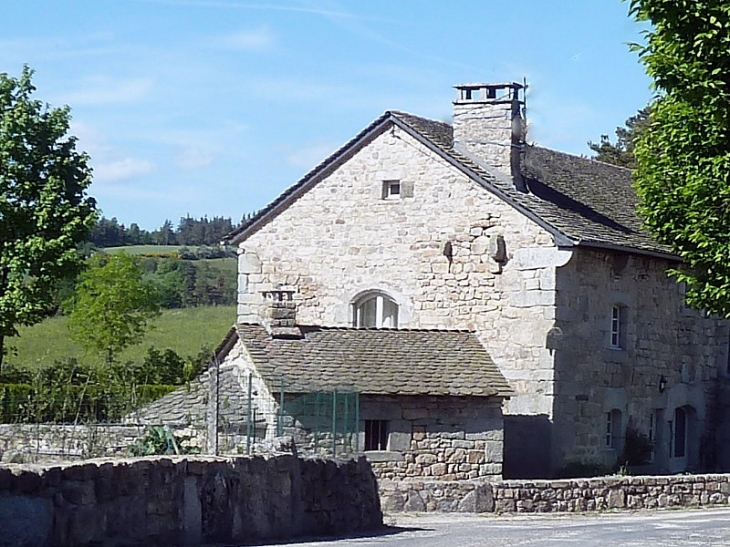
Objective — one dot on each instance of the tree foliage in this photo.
(113, 304)
(683, 179)
(108, 232)
(622, 152)
(44, 210)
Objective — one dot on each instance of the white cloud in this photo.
(246, 40)
(122, 169)
(102, 90)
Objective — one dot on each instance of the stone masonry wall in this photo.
(437, 438)
(54, 442)
(563, 496)
(662, 341)
(485, 130)
(191, 501)
(341, 238)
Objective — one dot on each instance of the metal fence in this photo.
(245, 421)
(224, 411)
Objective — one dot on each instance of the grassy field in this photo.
(186, 331)
(227, 264)
(145, 249)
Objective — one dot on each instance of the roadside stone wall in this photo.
(428, 250)
(437, 438)
(563, 496)
(185, 500)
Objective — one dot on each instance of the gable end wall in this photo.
(341, 238)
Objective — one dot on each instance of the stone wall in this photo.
(341, 238)
(437, 438)
(192, 501)
(670, 357)
(564, 496)
(56, 442)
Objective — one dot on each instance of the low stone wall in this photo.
(437, 438)
(57, 442)
(611, 493)
(575, 495)
(436, 496)
(185, 500)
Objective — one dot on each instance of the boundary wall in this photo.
(556, 496)
(185, 500)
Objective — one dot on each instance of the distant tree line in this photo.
(190, 231)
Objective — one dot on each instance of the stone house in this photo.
(421, 226)
(344, 390)
(426, 402)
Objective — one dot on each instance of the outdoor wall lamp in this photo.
(662, 384)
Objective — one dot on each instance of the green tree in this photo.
(622, 152)
(44, 210)
(113, 304)
(683, 179)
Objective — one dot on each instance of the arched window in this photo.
(375, 310)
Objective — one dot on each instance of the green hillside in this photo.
(156, 250)
(186, 331)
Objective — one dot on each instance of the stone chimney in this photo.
(489, 126)
(280, 314)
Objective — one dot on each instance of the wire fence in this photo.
(223, 411)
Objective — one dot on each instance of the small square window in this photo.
(391, 189)
(376, 435)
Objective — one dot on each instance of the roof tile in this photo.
(376, 361)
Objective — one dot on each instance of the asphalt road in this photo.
(643, 529)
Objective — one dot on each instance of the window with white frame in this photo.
(375, 310)
(391, 189)
(617, 338)
(612, 438)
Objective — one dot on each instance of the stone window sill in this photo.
(383, 456)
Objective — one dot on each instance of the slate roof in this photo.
(579, 200)
(376, 361)
(590, 202)
(189, 405)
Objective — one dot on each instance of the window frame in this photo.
(617, 327)
(613, 430)
(376, 435)
(389, 186)
(386, 311)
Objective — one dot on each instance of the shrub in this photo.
(159, 440)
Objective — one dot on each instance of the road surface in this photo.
(668, 528)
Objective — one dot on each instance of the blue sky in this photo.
(213, 107)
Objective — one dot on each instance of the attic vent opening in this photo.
(391, 189)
